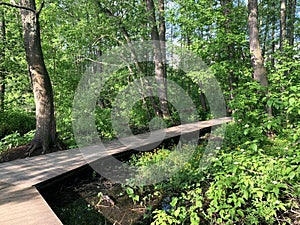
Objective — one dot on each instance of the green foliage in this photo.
(16, 121)
(103, 123)
(15, 139)
(16, 128)
(149, 158)
(241, 186)
(253, 180)
(182, 213)
(252, 123)
(131, 194)
(285, 87)
(253, 187)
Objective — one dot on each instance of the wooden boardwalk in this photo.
(20, 205)
(20, 202)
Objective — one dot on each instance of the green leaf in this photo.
(240, 212)
(129, 191)
(245, 194)
(276, 190)
(281, 206)
(177, 212)
(292, 175)
(270, 102)
(259, 194)
(292, 101)
(174, 202)
(195, 220)
(253, 147)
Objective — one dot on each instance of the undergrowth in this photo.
(242, 185)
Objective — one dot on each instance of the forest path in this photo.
(21, 203)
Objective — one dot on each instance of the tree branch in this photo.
(18, 6)
(119, 21)
(41, 7)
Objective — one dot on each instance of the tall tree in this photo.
(2, 58)
(227, 6)
(291, 21)
(266, 29)
(45, 135)
(282, 23)
(158, 37)
(125, 31)
(259, 70)
(150, 15)
(273, 32)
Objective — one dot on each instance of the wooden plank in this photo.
(142, 142)
(3, 185)
(21, 203)
(31, 171)
(25, 206)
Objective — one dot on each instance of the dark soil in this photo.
(13, 154)
(88, 198)
(113, 202)
(76, 200)
(20, 152)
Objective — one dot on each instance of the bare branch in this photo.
(41, 7)
(18, 6)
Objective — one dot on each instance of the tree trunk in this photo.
(282, 24)
(45, 136)
(291, 21)
(202, 98)
(259, 70)
(159, 55)
(266, 31)
(273, 44)
(162, 32)
(227, 6)
(139, 68)
(2, 59)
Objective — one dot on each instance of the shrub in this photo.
(103, 123)
(15, 139)
(253, 187)
(241, 186)
(16, 121)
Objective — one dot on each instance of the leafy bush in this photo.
(253, 187)
(15, 139)
(16, 121)
(241, 186)
(103, 123)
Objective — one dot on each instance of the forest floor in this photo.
(91, 200)
(96, 201)
(19, 152)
